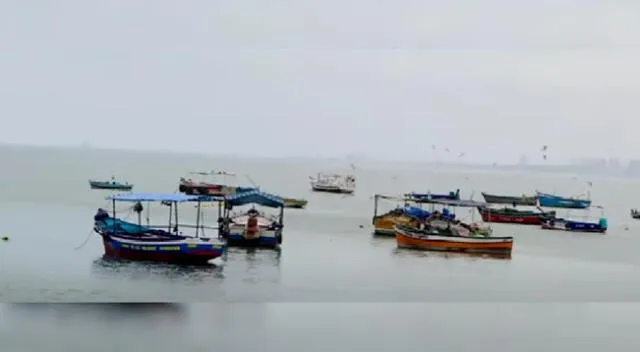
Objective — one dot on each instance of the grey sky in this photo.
(493, 78)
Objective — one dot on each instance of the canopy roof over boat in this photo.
(254, 197)
(161, 197)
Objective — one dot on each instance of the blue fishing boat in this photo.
(252, 228)
(425, 197)
(577, 226)
(564, 224)
(110, 185)
(167, 243)
(553, 201)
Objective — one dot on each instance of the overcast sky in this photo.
(492, 78)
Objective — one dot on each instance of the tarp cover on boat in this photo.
(422, 214)
(159, 197)
(255, 197)
(417, 212)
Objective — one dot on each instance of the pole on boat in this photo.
(170, 215)
(138, 209)
(175, 208)
(113, 203)
(375, 207)
(148, 206)
(198, 218)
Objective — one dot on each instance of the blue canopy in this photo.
(255, 197)
(161, 197)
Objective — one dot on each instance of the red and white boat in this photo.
(213, 188)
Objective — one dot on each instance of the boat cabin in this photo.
(252, 227)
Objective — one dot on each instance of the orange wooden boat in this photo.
(439, 240)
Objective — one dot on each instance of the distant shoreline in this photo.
(368, 163)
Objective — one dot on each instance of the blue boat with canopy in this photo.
(164, 243)
(252, 228)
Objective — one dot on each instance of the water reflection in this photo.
(401, 252)
(254, 257)
(92, 327)
(98, 310)
(110, 267)
(380, 240)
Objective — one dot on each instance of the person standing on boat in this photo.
(252, 228)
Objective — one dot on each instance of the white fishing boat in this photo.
(333, 183)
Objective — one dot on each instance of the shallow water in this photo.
(328, 253)
(328, 256)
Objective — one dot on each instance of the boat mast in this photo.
(175, 208)
(375, 208)
(170, 214)
(198, 218)
(148, 203)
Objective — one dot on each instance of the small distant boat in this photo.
(514, 200)
(110, 185)
(425, 197)
(253, 228)
(513, 216)
(450, 240)
(635, 214)
(295, 203)
(553, 201)
(131, 241)
(333, 183)
(216, 189)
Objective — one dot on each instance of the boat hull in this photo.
(331, 189)
(265, 235)
(174, 252)
(415, 239)
(208, 189)
(513, 216)
(238, 239)
(129, 241)
(551, 201)
(384, 225)
(110, 186)
(294, 203)
(573, 226)
(522, 200)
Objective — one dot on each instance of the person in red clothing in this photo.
(252, 228)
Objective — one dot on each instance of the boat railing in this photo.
(188, 226)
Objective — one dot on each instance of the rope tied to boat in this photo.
(131, 210)
(86, 240)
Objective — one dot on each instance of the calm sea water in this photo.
(328, 256)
